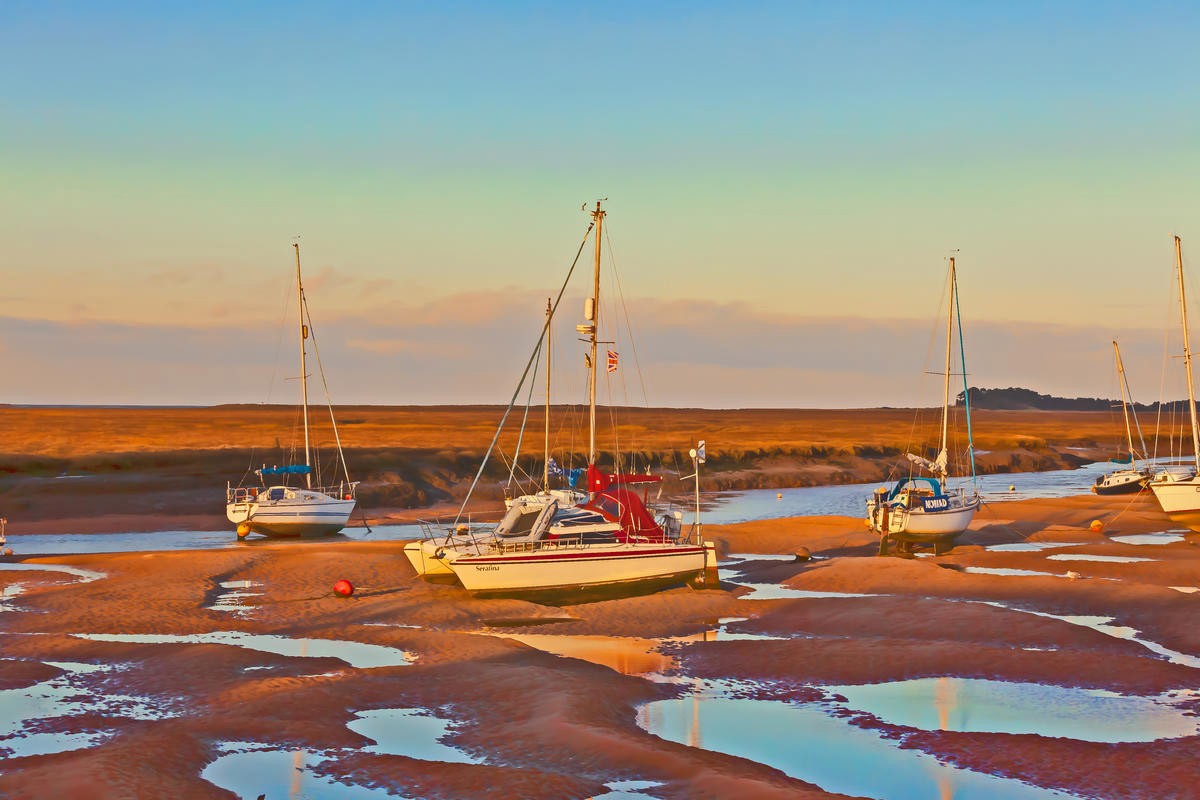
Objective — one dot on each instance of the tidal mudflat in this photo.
(234, 672)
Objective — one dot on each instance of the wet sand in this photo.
(546, 726)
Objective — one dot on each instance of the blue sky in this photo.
(805, 164)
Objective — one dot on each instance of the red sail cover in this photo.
(621, 505)
(598, 481)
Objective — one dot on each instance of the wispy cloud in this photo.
(471, 348)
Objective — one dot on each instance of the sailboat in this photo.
(610, 540)
(276, 508)
(1134, 478)
(1179, 495)
(920, 509)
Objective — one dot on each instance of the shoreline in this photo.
(65, 515)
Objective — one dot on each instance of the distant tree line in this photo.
(1017, 399)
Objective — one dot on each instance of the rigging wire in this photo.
(524, 375)
(325, 387)
(537, 353)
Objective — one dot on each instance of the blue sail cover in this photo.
(295, 469)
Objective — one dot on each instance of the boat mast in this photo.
(946, 391)
(592, 314)
(1124, 405)
(546, 455)
(303, 366)
(1187, 352)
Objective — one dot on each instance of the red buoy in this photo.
(344, 587)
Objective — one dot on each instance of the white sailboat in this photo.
(923, 510)
(280, 510)
(1133, 478)
(1179, 495)
(611, 540)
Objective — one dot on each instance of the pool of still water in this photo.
(806, 742)
(249, 769)
(973, 704)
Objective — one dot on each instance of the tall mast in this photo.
(1124, 404)
(546, 455)
(592, 314)
(303, 366)
(1187, 352)
(946, 392)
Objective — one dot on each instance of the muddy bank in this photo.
(102, 470)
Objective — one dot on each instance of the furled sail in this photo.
(937, 467)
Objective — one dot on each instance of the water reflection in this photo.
(85, 575)
(808, 743)
(65, 695)
(974, 704)
(1165, 537)
(250, 770)
(1091, 557)
(356, 654)
(231, 601)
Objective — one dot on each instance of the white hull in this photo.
(576, 567)
(926, 524)
(1180, 500)
(424, 559)
(305, 514)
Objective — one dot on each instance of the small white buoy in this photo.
(1072, 575)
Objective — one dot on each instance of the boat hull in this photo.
(1122, 482)
(577, 568)
(928, 527)
(1180, 500)
(424, 559)
(286, 520)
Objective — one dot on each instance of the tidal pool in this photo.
(249, 769)
(1105, 625)
(1165, 537)
(628, 790)
(411, 732)
(775, 591)
(1031, 573)
(1031, 547)
(978, 705)
(1090, 557)
(85, 575)
(8, 593)
(230, 601)
(806, 742)
(356, 654)
(65, 695)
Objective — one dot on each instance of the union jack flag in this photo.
(612, 360)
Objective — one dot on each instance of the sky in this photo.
(784, 183)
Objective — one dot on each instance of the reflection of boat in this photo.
(924, 510)
(1134, 478)
(611, 540)
(277, 509)
(1179, 496)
